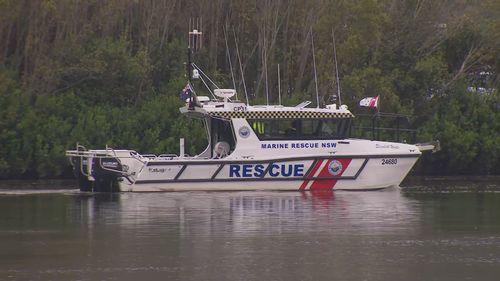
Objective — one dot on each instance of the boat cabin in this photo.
(234, 123)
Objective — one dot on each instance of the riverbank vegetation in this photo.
(109, 72)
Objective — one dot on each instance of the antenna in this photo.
(195, 34)
(336, 67)
(230, 63)
(279, 85)
(265, 71)
(315, 74)
(241, 68)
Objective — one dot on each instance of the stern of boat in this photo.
(97, 170)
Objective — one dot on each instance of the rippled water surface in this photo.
(395, 234)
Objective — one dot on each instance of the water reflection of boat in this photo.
(243, 213)
(271, 147)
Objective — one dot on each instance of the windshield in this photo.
(300, 129)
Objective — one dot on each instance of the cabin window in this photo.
(300, 129)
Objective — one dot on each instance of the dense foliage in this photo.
(109, 72)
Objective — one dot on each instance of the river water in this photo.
(410, 233)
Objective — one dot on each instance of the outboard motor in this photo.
(96, 172)
(106, 172)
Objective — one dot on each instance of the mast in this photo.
(194, 44)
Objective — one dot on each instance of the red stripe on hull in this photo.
(329, 184)
(311, 173)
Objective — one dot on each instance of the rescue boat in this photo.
(250, 147)
(256, 148)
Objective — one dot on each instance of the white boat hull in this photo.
(356, 172)
(350, 164)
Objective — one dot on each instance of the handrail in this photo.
(82, 170)
(93, 153)
(144, 158)
(149, 156)
(401, 124)
(167, 156)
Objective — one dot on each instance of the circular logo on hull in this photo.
(335, 168)
(244, 132)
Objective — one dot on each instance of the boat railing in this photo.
(88, 153)
(385, 126)
(167, 156)
(171, 156)
(149, 156)
(108, 152)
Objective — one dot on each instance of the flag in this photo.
(369, 102)
(186, 92)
